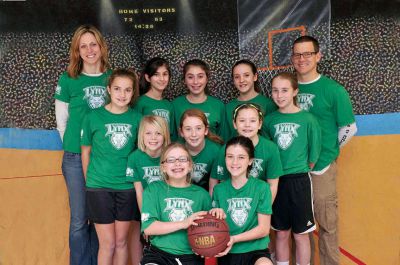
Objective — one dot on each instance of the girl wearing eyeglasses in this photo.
(267, 165)
(202, 144)
(170, 207)
(245, 79)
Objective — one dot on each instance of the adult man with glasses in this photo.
(330, 103)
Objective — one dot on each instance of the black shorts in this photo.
(107, 206)
(248, 258)
(293, 205)
(155, 256)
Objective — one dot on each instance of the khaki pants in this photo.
(326, 215)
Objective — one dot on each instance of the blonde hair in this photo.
(163, 157)
(157, 122)
(75, 61)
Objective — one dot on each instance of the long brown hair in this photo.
(201, 116)
(75, 61)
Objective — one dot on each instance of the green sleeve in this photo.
(314, 140)
(130, 168)
(274, 164)
(62, 91)
(215, 198)
(342, 107)
(265, 128)
(86, 131)
(219, 170)
(264, 205)
(222, 125)
(149, 207)
(270, 107)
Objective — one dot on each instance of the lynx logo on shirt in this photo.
(58, 90)
(179, 208)
(129, 172)
(162, 113)
(119, 134)
(200, 169)
(239, 208)
(220, 170)
(285, 133)
(256, 167)
(305, 101)
(151, 174)
(145, 217)
(207, 116)
(95, 96)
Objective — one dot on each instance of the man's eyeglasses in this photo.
(171, 160)
(305, 55)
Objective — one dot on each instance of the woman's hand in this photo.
(218, 213)
(228, 248)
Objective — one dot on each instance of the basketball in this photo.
(210, 236)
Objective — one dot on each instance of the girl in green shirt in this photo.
(154, 80)
(267, 164)
(108, 136)
(202, 144)
(170, 207)
(196, 74)
(143, 168)
(245, 202)
(245, 79)
(298, 136)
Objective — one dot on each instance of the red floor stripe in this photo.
(27, 177)
(347, 254)
(351, 257)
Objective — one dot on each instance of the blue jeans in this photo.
(83, 242)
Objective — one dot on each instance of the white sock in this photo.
(282, 262)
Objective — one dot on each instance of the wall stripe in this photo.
(375, 124)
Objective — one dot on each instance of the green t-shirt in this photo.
(165, 203)
(266, 104)
(213, 108)
(203, 163)
(163, 108)
(330, 103)
(112, 138)
(242, 207)
(298, 138)
(143, 168)
(82, 94)
(266, 164)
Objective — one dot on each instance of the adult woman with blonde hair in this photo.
(81, 88)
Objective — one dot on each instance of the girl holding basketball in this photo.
(246, 203)
(108, 136)
(196, 74)
(267, 165)
(170, 207)
(245, 79)
(153, 82)
(81, 88)
(298, 137)
(202, 144)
